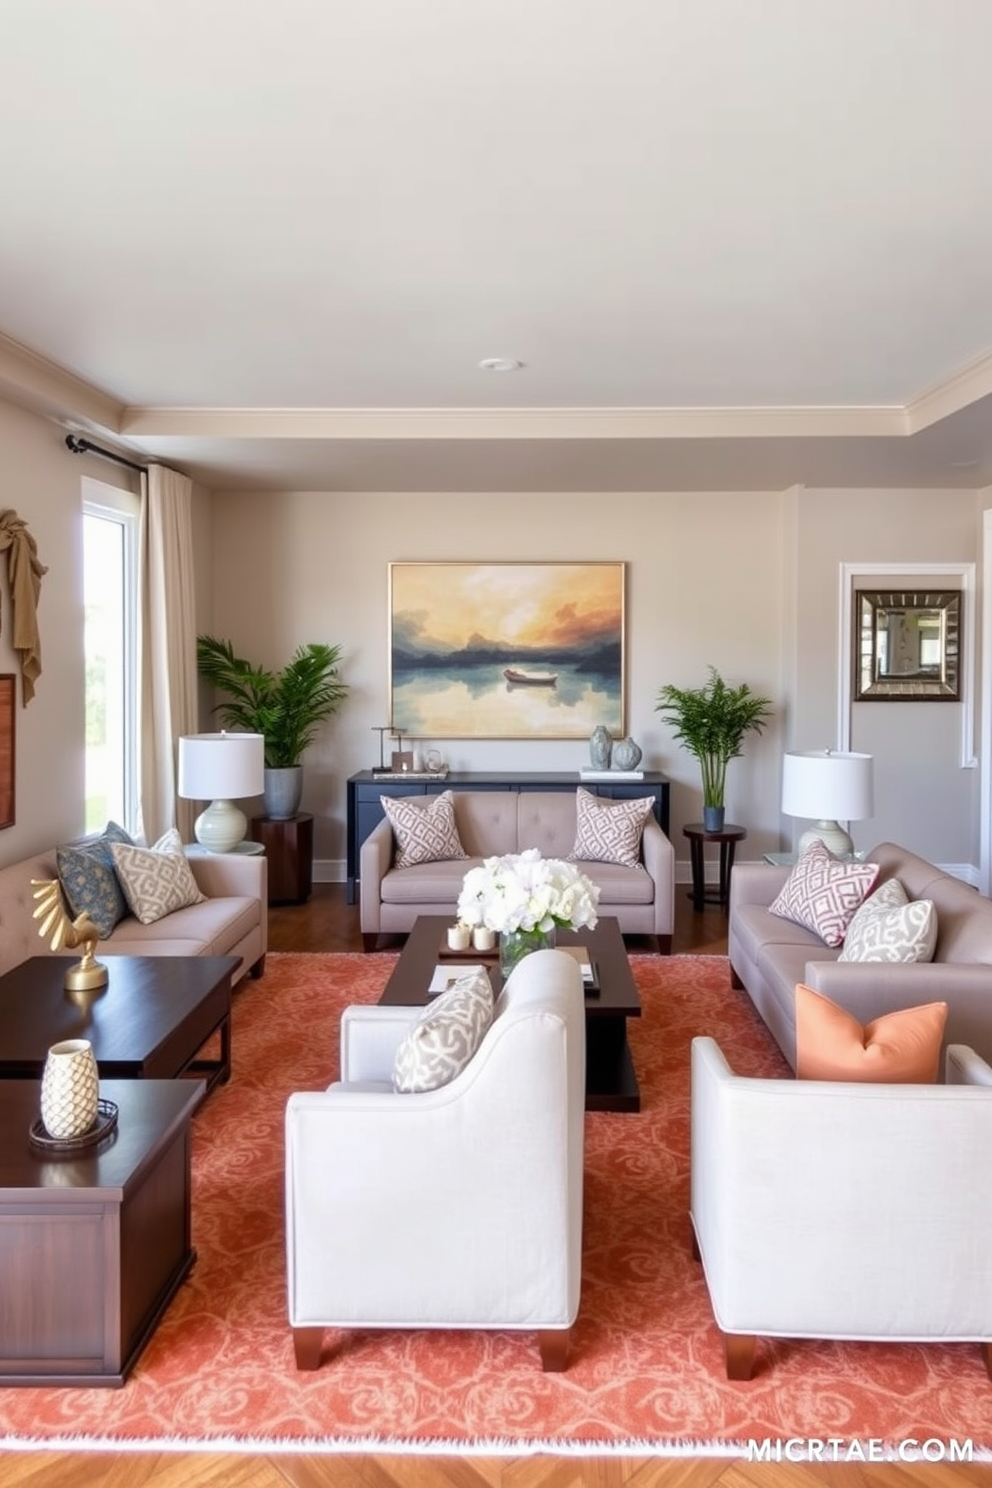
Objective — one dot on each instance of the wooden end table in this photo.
(728, 840)
(289, 848)
(93, 1247)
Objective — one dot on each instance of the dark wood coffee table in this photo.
(611, 1082)
(149, 1023)
(93, 1247)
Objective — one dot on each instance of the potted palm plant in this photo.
(284, 706)
(711, 722)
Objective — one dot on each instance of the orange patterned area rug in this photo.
(647, 1370)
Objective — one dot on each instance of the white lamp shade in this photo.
(225, 766)
(828, 786)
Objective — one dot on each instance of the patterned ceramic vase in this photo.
(626, 754)
(70, 1089)
(600, 747)
(514, 945)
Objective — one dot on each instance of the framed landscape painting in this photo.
(506, 650)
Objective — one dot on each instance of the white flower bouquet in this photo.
(523, 891)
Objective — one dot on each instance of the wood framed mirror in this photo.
(907, 645)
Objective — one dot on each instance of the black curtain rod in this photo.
(80, 446)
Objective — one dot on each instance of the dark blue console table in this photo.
(365, 808)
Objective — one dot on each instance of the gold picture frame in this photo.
(506, 650)
(907, 645)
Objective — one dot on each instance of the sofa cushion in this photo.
(823, 893)
(897, 1047)
(156, 880)
(891, 927)
(608, 831)
(89, 880)
(445, 1035)
(424, 828)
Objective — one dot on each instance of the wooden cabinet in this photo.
(289, 850)
(365, 808)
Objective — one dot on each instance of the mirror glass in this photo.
(908, 645)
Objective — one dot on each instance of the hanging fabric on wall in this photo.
(24, 570)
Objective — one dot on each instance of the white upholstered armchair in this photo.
(457, 1208)
(837, 1210)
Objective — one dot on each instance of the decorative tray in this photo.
(103, 1127)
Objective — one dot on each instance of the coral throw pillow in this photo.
(609, 831)
(823, 893)
(901, 1047)
(424, 828)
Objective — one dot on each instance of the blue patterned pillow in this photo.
(89, 882)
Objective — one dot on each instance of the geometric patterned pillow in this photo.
(446, 1034)
(823, 893)
(891, 927)
(89, 883)
(609, 831)
(424, 828)
(156, 880)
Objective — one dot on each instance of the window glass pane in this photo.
(110, 535)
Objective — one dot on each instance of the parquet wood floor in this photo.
(327, 923)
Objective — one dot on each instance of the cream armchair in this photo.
(850, 1211)
(485, 1175)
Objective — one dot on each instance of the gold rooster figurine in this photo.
(87, 974)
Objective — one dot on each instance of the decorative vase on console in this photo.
(626, 754)
(600, 747)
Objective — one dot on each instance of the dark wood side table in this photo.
(728, 840)
(289, 849)
(94, 1246)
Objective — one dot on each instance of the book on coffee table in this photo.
(445, 977)
(588, 967)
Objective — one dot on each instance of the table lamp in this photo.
(830, 787)
(221, 768)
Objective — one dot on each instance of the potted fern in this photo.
(711, 722)
(285, 707)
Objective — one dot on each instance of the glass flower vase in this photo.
(514, 945)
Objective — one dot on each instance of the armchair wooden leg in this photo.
(664, 945)
(306, 1345)
(738, 1351)
(369, 942)
(258, 970)
(987, 1356)
(554, 1345)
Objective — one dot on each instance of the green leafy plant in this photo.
(284, 706)
(711, 722)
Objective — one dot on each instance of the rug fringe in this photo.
(428, 1447)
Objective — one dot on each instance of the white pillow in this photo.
(156, 880)
(609, 831)
(890, 926)
(446, 1034)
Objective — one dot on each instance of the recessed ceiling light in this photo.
(500, 364)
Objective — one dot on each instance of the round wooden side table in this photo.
(728, 840)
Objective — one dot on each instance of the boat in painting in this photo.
(520, 677)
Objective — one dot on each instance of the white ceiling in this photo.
(735, 243)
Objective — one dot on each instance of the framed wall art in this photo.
(907, 645)
(8, 713)
(506, 650)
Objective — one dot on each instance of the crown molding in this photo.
(515, 423)
(966, 386)
(33, 381)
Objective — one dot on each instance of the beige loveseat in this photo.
(491, 823)
(231, 921)
(769, 955)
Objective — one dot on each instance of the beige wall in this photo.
(747, 582)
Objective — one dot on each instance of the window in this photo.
(110, 597)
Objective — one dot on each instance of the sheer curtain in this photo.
(167, 660)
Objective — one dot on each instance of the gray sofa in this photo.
(231, 921)
(491, 823)
(769, 955)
